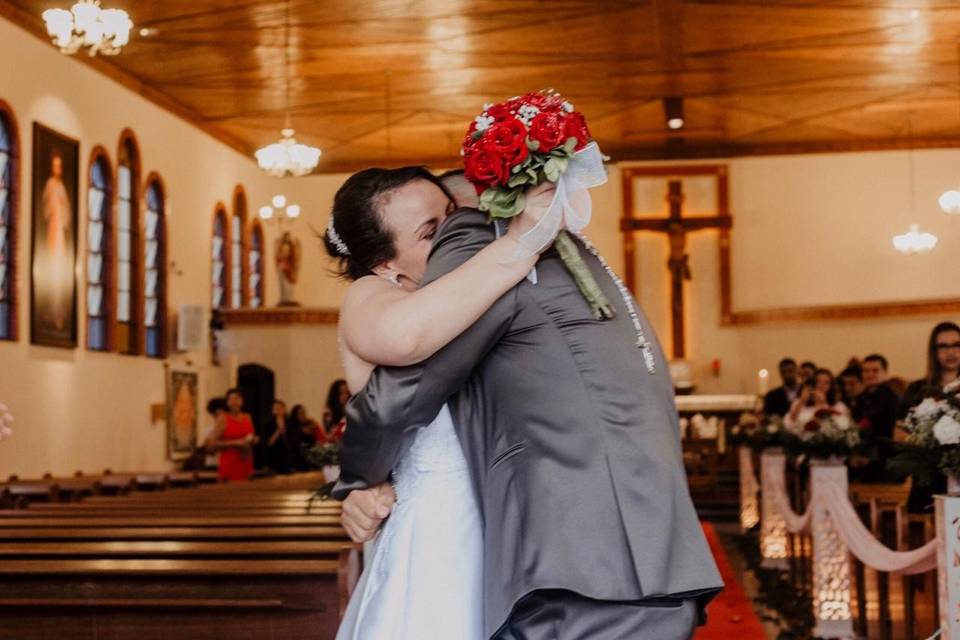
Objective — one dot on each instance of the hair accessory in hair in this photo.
(336, 239)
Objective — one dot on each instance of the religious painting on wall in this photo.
(182, 412)
(53, 282)
(288, 268)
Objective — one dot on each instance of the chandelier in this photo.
(950, 202)
(288, 157)
(105, 31)
(914, 241)
(284, 211)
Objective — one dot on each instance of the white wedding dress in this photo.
(424, 578)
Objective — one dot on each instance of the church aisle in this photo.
(730, 615)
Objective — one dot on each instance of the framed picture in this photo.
(182, 408)
(53, 281)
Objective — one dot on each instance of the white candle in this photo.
(763, 381)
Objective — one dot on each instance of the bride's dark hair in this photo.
(357, 220)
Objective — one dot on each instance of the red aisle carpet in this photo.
(730, 616)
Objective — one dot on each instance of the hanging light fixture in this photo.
(104, 31)
(914, 241)
(287, 157)
(949, 200)
(283, 210)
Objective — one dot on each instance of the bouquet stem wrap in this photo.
(572, 209)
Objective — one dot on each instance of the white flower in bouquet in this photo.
(929, 408)
(947, 430)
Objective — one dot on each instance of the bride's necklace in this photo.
(644, 345)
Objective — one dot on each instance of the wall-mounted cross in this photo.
(676, 226)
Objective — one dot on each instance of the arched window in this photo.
(128, 244)
(8, 236)
(154, 270)
(238, 249)
(256, 265)
(99, 251)
(218, 258)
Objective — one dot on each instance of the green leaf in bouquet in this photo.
(534, 175)
(570, 145)
(520, 179)
(533, 145)
(503, 203)
(555, 168)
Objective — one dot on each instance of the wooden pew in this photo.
(220, 566)
(139, 599)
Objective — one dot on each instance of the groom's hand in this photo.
(365, 510)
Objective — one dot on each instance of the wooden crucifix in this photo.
(676, 226)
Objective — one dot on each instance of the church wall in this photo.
(77, 409)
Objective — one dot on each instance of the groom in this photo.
(573, 444)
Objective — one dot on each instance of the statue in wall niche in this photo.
(288, 267)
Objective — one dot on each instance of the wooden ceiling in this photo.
(392, 81)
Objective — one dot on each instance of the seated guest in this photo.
(876, 408)
(778, 401)
(204, 457)
(234, 438)
(337, 398)
(816, 395)
(807, 371)
(851, 384)
(943, 366)
(280, 441)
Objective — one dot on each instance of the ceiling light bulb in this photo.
(675, 123)
(266, 212)
(279, 201)
(293, 211)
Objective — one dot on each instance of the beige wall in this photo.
(76, 409)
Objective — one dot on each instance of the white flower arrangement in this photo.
(6, 419)
(947, 430)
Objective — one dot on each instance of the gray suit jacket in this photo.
(574, 447)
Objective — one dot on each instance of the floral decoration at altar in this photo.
(933, 438)
(758, 432)
(827, 435)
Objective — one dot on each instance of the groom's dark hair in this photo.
(357, 220)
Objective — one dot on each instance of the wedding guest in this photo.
(851, 384)
(337, 397)
(281, 439)
(878, 404)
(778, 401)
(205, 457)
(816, 395)
(807, 370)
(943, 366)
(234, 439)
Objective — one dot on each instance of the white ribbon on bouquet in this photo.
(571, 207)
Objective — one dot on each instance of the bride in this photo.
(425, 578)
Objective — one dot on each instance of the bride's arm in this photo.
(385, 325)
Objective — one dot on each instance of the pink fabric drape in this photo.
(859, 540)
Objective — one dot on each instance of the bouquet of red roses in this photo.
(524, 142)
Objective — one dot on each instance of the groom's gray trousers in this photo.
(564, 615)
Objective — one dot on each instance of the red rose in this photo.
(812, 426)
(547, 128)
(508, 139)
(500, 112)
(864, 423)
(483, 165)
(576, 127)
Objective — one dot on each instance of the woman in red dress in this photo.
(234, 438)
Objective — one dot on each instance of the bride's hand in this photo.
(538, 202)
